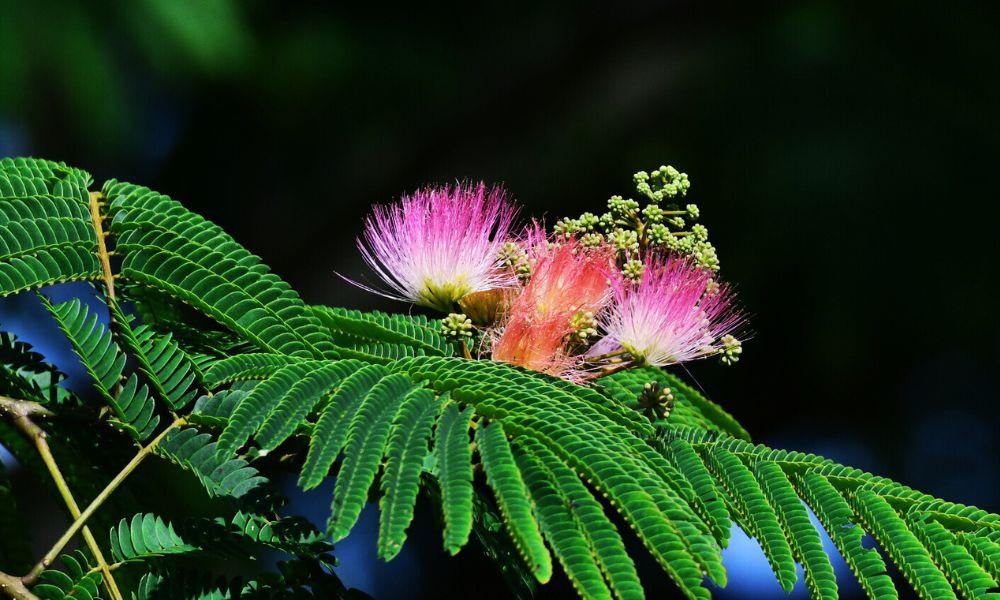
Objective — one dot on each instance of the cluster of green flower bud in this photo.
(584, 325)
(625, 241)
(514, 258)
(655, 400)
(456, 325)
(663, 223)
(663, 183)
(732, 348)
(633, 269)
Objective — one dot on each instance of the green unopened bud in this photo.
(621, 208)
(677, 222)
(732, 348)
(607, 221)
(587, 222)
(640, 177)
(659, 235)
(624, 240)
(653, 213)
(592, 240)
(656, 399)
(704, 254)
(584, 325)
(633, 269)
(700, 232)
(456, 325)
(566, 228)
(693, 211)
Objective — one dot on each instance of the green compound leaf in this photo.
(146, 536)
(512, 497)
(956, 561)
(331, 429)
(561, 527)
(75, 582)
(168, 369)
(357, 329)
(892, 534)
(807, 545)
(757, 513)
(46, 234)
(605, 541)
(173, 250)
(92, 342)
(250, 414)
(196, 451)
(453, 451)
(836, 516)
(366, 441)
(705, 486)
(405, 453)
(244, 367)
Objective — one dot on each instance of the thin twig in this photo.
(96, 503)
(20, 412)
(14, 588)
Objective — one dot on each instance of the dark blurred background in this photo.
(844, 156)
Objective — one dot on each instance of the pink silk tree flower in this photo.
(675, 313)
(566, 280)
(439, 244)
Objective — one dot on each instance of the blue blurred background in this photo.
(844, 156)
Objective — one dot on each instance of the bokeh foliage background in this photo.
(844, 156)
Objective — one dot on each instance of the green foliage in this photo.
(169, 369)
(173, 250)
(382, 403)
(46, 234)
(512, 496)
(365, 445)
(24, 373)
(354, 329)
(454, 470)
(92, 342)
(405, 453)
(221, 477)
(146, 536)
(76, 580)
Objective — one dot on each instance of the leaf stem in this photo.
(20, 412)
(80, 521)
(40, 439)
(601, 357)
(102, 249)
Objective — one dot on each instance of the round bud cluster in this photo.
(662, 223)
(456, 325)
(653, 213)
(565, 228)
(656, 400)
(587, 222)
(591, 240)
(514, 258)
(732, 348)
(633, 269)
(626, 241)
(584, 325)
